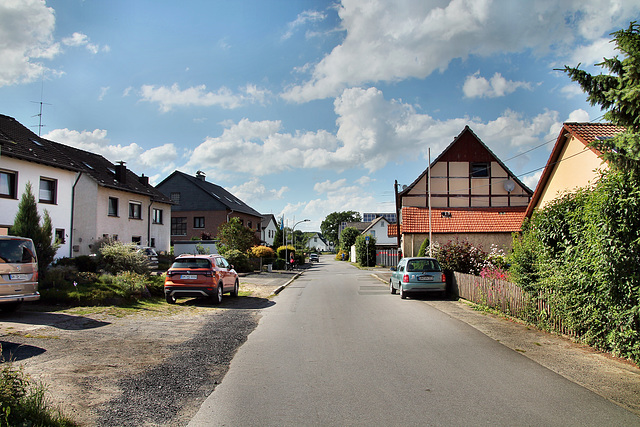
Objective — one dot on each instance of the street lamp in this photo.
(294, 228)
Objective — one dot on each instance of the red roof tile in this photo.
(475, 220)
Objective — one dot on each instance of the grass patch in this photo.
(23, 401)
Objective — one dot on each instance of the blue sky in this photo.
(302, 108)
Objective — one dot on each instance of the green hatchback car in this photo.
(417, 275)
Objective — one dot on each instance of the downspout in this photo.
(229, 213)
(73, 198)
(149, 223)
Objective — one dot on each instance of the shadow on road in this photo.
(55, 320)
(239, 303)
(13, 352)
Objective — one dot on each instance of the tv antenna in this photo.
(39, 115)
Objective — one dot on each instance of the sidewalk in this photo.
(614, 379)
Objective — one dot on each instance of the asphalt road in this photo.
(338, 349)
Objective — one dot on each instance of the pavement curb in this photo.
(281, 287)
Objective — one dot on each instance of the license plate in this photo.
(189, 276)
(19, 277)
(425, 278)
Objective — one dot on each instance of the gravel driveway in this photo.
(113, 367)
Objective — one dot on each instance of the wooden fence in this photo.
(508, 298)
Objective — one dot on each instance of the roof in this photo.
(21, 143)
(374, 222)
(587, 133)
(360, 226)
(266, 219)
(216, 192)
(461, 220)
(467, 131)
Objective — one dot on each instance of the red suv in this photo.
(194, 276)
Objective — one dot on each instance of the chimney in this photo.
(121, 172)
(200, 175)
(143, 179)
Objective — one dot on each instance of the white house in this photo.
(268, 228)
(379, 230)
(86, 196)
(317, 241)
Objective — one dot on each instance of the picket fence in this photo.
(508, 298)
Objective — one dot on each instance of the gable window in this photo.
(198, 222)
(113, 206)
(135, 210)
(479, 170)
(175, 197)
(48, 190)
(179, 226)
(157, 216)
(8, 184)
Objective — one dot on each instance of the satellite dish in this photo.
(404, 187)
(509, 185)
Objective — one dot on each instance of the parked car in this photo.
(417, 274)
(314, 258)
(192, 276)
(18, 272)
(152, 256)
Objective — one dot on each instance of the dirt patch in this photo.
(106, 366)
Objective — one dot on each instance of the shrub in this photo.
(115, 257)
(239, 260)
(424, 248)
(342, 255)
(263, 252)
(460, 256)
(285, 251)
(366, 252)
(348, 238)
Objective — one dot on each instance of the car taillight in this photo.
(444, 278)
(208, 274)
(405, 278)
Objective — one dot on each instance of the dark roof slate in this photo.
(21, 143)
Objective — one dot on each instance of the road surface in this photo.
(337, 349)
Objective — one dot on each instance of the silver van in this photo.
(18, 272)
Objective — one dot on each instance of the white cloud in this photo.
(531, 181)
(26, 35)
(301, 20)
(572, 90)
(103, 92)
(79, 39)
(254, 191)
(578, 116)
(372, 132)
(171, 97)
(96, 141)
(476, 86)
(392, 41)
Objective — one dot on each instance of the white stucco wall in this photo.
(60, 212)
(269, 230)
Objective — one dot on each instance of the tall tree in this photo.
(618, 92)
(27, 224)
(348, 238)
(331, 224)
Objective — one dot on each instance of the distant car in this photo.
(417, 275)
(18, 272)
(314, 258)
(152, 256)
(192, 276)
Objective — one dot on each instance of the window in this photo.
(114, 237)
(113, 206)
(157, 216)
(8, 184)
(198, 222)
(249, 224)
(480, 170)
(153, 242)
(136, 239)
(48, 190)
(178, 226)
(60, 236)
(175, 197)
(135, 210)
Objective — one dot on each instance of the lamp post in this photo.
(294, 228)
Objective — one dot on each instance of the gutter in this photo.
(73, 199)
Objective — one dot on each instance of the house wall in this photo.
(268, 233)
(577, 167)
(92, 221)
(380, 232)
(411, 242)
(453, 187)
(316, 242)
(213, 220)
(60, 212)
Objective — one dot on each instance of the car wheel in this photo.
(170, 299)
(217, 298)
(236, 289)
(391, 288)
(403, 294)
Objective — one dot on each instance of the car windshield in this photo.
(423, 265)
(191, 263)
(17, 251)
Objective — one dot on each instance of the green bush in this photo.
(23, 402)
(239, 260)
(115, 257)
(461, 256)
(285, 251)
(424, 248)
(342, 255)
(366, 252)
